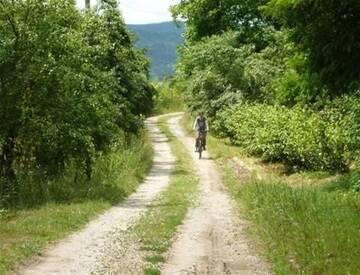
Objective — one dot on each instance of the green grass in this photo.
(303, 223)
(152, 271)
(26, 233)
(157, 227)
(68, 205)
(307, 230)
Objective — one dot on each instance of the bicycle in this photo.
(200, 143)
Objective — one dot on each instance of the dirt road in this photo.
(80, 253)
(211, 240)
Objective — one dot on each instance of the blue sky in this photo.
(143, 11)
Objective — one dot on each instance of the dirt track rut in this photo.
(80, 252)
(211, 240)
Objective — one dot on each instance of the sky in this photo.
(142, 11)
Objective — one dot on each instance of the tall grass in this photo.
(50, 210)
(114, 175)
(307, 230)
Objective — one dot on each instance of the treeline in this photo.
(72, 89)
(280, 78)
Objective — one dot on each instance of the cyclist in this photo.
(201, 126)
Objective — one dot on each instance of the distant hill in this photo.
(160, 40)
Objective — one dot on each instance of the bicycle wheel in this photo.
(200, 148)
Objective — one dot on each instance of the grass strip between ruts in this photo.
(158, 226)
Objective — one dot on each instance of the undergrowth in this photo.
(54, 209)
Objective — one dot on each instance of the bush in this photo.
(354, 181)
(168, 98)
(300, 138)
(115, 174)
(349, 182)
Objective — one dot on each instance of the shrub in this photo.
(222, 71)
(168, 98)
(298, 137)
(115, 175)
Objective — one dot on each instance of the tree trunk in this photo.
(7, 173)
(87, 4)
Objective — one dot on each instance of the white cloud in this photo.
(142, 11)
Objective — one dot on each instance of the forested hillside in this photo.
(161, 41)
(280, 80)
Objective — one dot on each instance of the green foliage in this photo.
(329, 33)
(221, 71)
(168, 98)
(70, 83)
(350, 182)
(298, 137)
(354, 181)
(115, 174)
(205, 18)
(316, 129)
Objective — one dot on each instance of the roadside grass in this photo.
(26, 233)
(303, 223)
(158, 226)
(306, 230)
(69, 205)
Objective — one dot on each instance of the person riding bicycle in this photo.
(201, 126)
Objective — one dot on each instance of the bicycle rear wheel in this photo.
(200, 148)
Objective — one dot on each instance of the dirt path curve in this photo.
(211, 240)
(79, 253)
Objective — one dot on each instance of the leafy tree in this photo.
(208, 17)
(221, 71)
(328, 31)
(70, 82)
(286, 75)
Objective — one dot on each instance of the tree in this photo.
(328, 32)
(70, 83)
(208, 17)
(220, 71)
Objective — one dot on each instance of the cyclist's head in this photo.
(201, 114)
